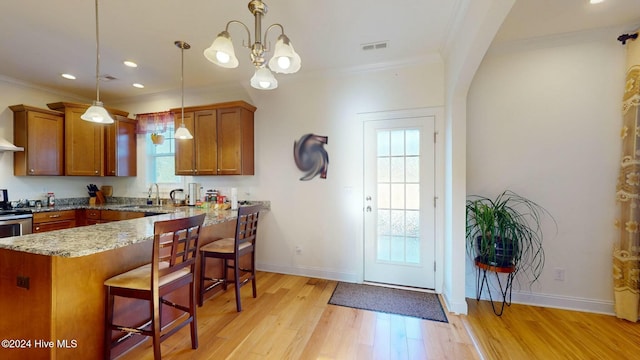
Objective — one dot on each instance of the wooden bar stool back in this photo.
(175, 248)
(232, 249)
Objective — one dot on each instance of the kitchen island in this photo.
(51, 284)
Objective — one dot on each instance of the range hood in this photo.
(7, 146)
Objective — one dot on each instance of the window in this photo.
(161, 166)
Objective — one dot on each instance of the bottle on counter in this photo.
(51, 199)
(234, 199)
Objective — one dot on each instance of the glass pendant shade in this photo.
(97, 113)
(221, 51)
(284, 60)
(263, 79)
(183, 133)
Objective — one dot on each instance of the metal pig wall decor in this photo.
(310, 156)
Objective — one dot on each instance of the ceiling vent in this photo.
(375, 46)
(107, 78)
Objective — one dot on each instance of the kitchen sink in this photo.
(139, 207)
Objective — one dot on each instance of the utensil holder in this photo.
(99, 198)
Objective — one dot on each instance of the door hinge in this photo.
(435, 136)
(434, 266)
(435, 201)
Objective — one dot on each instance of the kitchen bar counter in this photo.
(92, 239)
(51, 284)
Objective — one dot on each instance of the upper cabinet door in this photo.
(41, 133)
(84, 144)
(235, 142)
(206, 143)
(120, 147)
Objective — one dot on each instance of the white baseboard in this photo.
(320, 273)
(558, 302)
(458, 308)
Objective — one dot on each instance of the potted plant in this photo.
(506, 232)
(157, 139)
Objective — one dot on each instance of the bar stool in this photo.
(172, 267)
(233, 249)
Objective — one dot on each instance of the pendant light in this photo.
(97, 113)
(182, 132)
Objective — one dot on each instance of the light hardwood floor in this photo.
(291, 319)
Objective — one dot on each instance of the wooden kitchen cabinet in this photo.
(120, 147)
(115, 215)
(223, 140)
(95, 216)
(41, 133)
(53, 220)
(197, 156)
(92, 217)
(84, 140)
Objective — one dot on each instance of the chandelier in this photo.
(284, 60)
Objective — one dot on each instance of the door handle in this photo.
(368, 198)
(368, 208)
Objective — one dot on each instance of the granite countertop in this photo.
(92, 239)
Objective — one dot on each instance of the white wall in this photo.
(324, 216)
(544, 121)
(476, 26)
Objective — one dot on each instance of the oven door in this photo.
(20, 225)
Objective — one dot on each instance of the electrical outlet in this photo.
(298, 249)
(23, 282)
(558, 274)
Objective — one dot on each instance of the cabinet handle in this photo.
(54, 216)
(96, 172)
(32, 170)
(37, 228)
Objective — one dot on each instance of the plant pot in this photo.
(157, 139)
(497, 252)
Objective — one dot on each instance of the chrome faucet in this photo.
(157, 193)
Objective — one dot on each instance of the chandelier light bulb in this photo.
(221, 52)
(284, 62)
(223, 57)
(263, 79)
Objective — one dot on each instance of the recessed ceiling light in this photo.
(68, 76)
(139, 86)
(130, 64)
(595, 1)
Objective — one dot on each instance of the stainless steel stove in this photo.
(13, 222)
(15, 213)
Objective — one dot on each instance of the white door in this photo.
(399, 210)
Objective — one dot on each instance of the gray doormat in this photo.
(393, 301)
